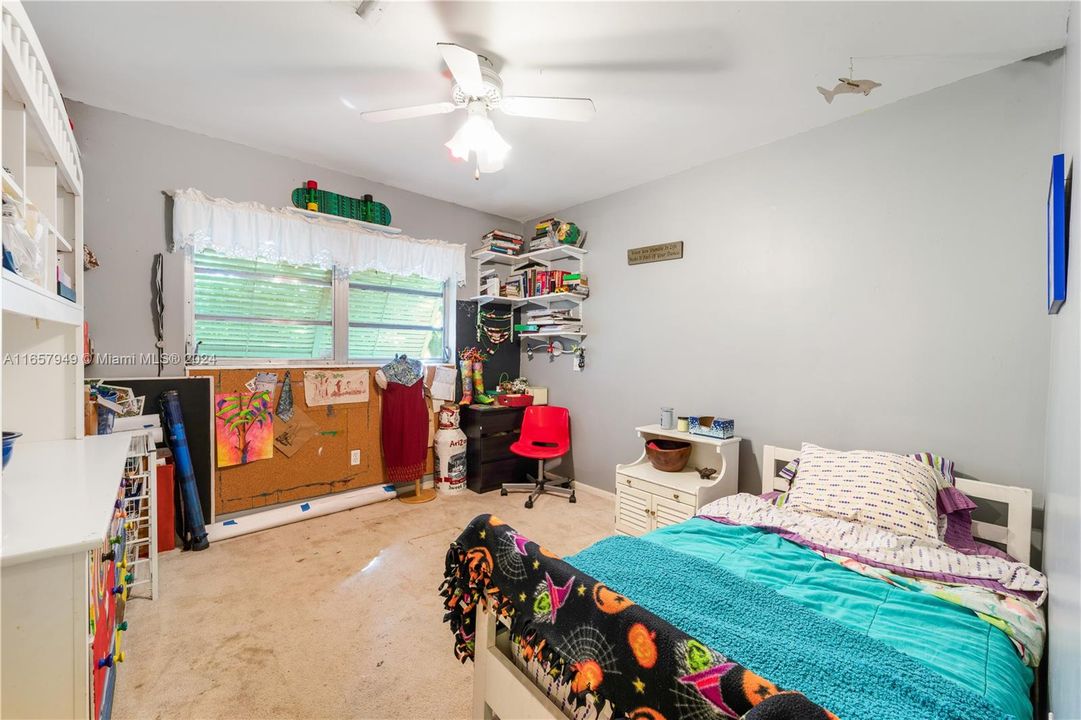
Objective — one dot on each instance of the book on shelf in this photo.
(559, 327)
(503, 235)
(500, 250)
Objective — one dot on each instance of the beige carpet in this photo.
(335, 617)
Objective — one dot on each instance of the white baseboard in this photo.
(580, 486)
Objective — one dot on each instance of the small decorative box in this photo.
(710, 426)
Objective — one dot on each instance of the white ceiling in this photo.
(675, 84)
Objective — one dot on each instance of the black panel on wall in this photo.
(195, 405)
(506, 357)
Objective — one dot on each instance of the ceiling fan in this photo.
(478, 89)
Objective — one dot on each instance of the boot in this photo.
(478, 384)
(467, 383)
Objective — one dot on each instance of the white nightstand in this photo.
(647, 498)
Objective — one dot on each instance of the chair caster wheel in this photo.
(503, 491)
(572, 498)
(528, 503)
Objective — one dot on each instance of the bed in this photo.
(790, 621)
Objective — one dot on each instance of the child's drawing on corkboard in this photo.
(244, 428)
(332, 387)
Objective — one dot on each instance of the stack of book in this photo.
(544, 236)
(550, 321)
(553, 232)
(503, 242)
(576, 283)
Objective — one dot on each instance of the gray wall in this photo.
(129, 162)
(1062, 514)
(876, 283)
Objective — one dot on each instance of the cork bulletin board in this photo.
(322, 465)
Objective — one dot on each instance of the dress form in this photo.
(405, 372)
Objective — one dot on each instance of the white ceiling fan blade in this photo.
(549, 108)
(405, 113)
(465, 67)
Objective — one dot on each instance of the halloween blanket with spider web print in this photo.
(598, 641)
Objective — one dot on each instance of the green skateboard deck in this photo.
(365, 208)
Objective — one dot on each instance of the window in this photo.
(391, 314)
(255, 309)
(260, 310)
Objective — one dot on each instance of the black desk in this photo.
(490, 431)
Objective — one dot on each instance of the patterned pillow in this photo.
(896, 493)
(788, 472)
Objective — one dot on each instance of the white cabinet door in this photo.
(669, 512)
(634, 510)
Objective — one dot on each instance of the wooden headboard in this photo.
(1016, 534)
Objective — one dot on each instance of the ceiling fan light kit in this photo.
(479, 89)
(479, 136)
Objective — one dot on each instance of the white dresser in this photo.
(647, 498)
(65, 576)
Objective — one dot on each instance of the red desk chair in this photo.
(546, 435)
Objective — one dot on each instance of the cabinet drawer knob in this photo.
(627, 480)
(647, 511)
(675, 496)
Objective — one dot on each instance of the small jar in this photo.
(683, 424)
(668, 418)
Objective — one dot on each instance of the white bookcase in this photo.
(69, 542)
(647, 498)
(42, 183)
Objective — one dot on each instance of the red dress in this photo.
(405, 431)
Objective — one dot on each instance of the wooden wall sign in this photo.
(655, 253)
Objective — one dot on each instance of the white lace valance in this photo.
(252, 230)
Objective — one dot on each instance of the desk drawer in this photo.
(492, 448)
(660, 491)
(480, 423)
(484, 477)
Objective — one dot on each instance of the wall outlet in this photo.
(354, 457)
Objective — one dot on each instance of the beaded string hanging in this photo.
(494, 327)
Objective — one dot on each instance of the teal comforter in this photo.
(947, 638)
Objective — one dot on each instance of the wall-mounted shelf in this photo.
(23, 297)
(360, 224)
(544, 260)
(496, 300)
(547, 256)
(487, 256)
(552, 334)
(536, 299)
(555, 297)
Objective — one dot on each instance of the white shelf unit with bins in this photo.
(648, 498)
(559, 257)
(42, 185)
(140, 561)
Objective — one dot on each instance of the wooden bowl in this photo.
(668, 455)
